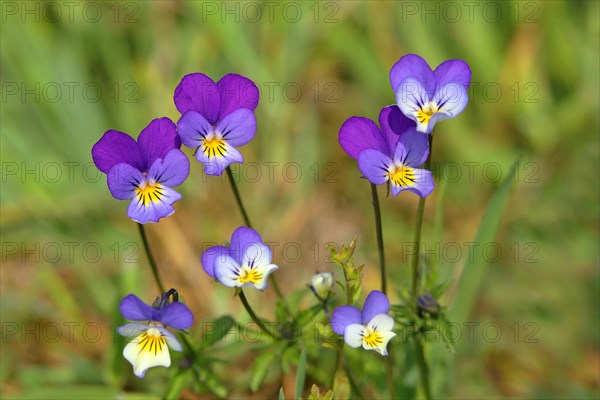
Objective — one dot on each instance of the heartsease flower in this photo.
(144, 171)
(151, 341)
(216, 118)
(390, 154)
(427, 96)
(371, 328)
(245, 262)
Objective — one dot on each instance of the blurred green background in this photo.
(72, 70)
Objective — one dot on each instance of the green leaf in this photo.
(476, 266)
(215, 331)
(281, 394)
(260, 369)
(301, 374)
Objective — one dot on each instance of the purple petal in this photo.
(123, 180)
(157, 139)
(210, 256)
(241, 240)
(393, 123)
(135, 309)
(192, 127)
(197, 92)
(376, 303)
(154, 210)
(344, 316)
(216, 164)
(453, 71)
(424, 183)
(172, 170)
(176, 315)
(115, 148)
(227, 271)
(374, 165)
(358, 134)
(237, 92)
(412, 148)
(239, 127)
(412, 66)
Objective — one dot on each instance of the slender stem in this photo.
(256, 320)
(420, 353)
(423, 370)
(353, 386)
(418, 226)
(238, 198)
(240, 204)
(379, 232)
(151, 260)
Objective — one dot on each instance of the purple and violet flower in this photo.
(216, 118)
(144, 171)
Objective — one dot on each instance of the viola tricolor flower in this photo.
(216, 118)
(427, 96)
(371, 328)
(392, 154)
(144, 171)
(151, 341)
(245, 262)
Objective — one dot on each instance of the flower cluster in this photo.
(394, 152)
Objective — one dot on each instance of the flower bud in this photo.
(428, 304)
(321, 284)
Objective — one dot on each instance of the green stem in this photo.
(151, 260)
(379, 232)
(238, 198)
(256, 320)
(420, 354)
(418, 226)
(423, 370)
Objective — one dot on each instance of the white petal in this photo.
(172, 341)
(451, 100)
(410, 97)
(264, 271)
(147, 350)
(257, 254)
(381, 323)
(381, 348)
(353, 335)
(227, 271)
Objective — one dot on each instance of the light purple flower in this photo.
(216, 118)
(144, 171)
(401, 169)
(151, 342)
(427, 96)
(246, 262)
(371, 328)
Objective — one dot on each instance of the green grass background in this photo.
(534, 95)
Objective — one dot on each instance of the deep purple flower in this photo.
(246, 262)
(150, 345)
(391, 154)
(144, 171)
(371, 328)
(427, 96)
(216, 118)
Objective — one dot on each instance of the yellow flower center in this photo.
(151, 341)
(149, 193)
(425, 113)
(249, 275)
(402, 176)
(213, 146)
(372, 338)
